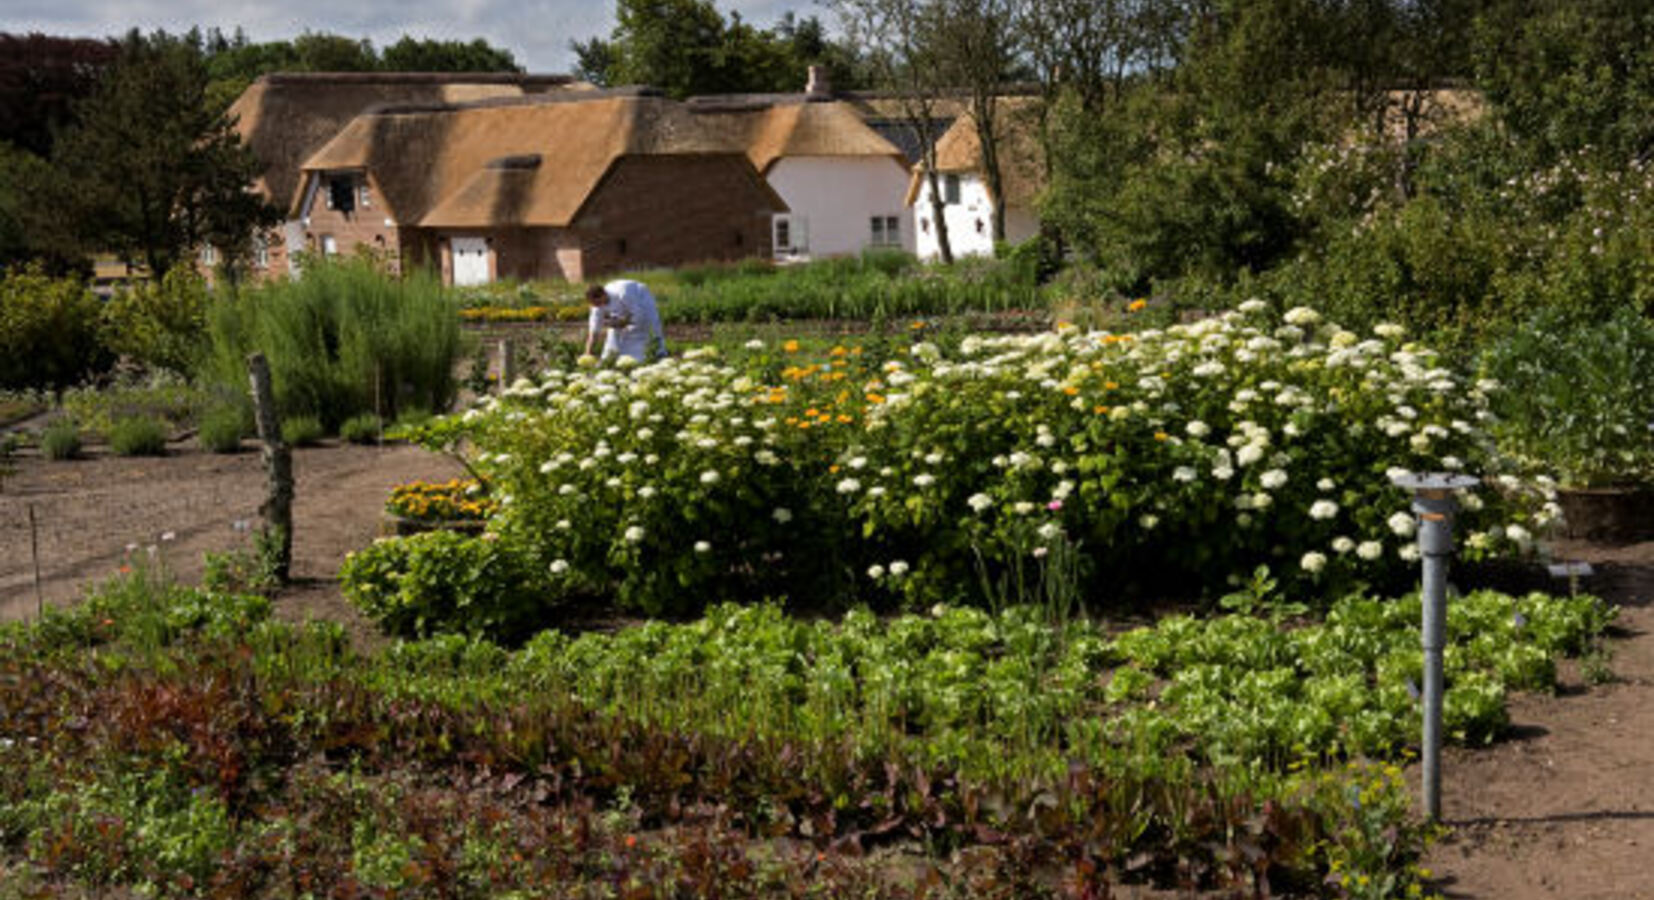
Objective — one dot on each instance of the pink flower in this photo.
(1054, 505)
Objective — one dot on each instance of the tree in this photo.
(155, 172)
(687, 47)
(41, 78)
(411, 55)
(1569, 75)
(33, 227)
(899, 39)
(321, 52)
(978, 45)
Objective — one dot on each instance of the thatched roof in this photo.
(767, 130)
(533, 161)
(1021, 172)
(285, 117)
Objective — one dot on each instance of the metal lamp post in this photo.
(1435, 505)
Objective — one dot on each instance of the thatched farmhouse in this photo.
(967, 205)
(842, 182)
(571, 185)
(491, 176)
(285, 118)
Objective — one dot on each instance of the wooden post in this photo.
(277, 508)
(34, 551)
(508, 364)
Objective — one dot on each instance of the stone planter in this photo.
(1608, 514)
(401, 526)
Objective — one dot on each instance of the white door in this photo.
(470, 260)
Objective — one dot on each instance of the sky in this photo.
(537, 32)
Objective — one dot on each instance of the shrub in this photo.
(442, 581)
(346, 339)
(138, 436)
(60, 440)
(48, 331)
(222, 429)
(160, 324)
(1576, 400)
(302, 431)
(362, 429)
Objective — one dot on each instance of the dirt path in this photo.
(1566, 808)
(90, 511)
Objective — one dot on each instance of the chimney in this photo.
(819, 87)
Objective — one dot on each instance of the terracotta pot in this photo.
(1610, 514)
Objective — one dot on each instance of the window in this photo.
(209, 255)
(365, 195)
(790, 235)
(261, 252)
(950, 190)
(330, 245)
(341, 193)
(887, 231)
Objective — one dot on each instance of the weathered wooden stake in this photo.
(277, 508)
(508, 364)
(34, 551)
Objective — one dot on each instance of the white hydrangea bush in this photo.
(1169, 459)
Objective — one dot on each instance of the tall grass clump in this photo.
(344, 340)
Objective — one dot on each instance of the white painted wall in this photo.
(970, 221)
(839, 196)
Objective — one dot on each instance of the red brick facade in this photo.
(648, 212)
(366, 225)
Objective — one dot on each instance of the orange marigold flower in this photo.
(790, 346)
(1137, 305)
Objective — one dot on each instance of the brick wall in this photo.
(669, 211)
(365, 225)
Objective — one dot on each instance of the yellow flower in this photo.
(1137, 305)
(790, 346)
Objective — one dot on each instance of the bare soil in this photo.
(1563, 808)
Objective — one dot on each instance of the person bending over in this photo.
(625, 313)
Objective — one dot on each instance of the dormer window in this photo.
(341, 192)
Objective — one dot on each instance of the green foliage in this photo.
(687, 47)
(160, 325)
(157, 172)
(222, 428)
(343, 341)
(362, 429)
(159, 396)
(877, 286)
(48, 331)
(443, 581)
(138, 436)
(60, 440)
(1576, 401)
(255, 754)
(1567, 77)
(302, 431)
